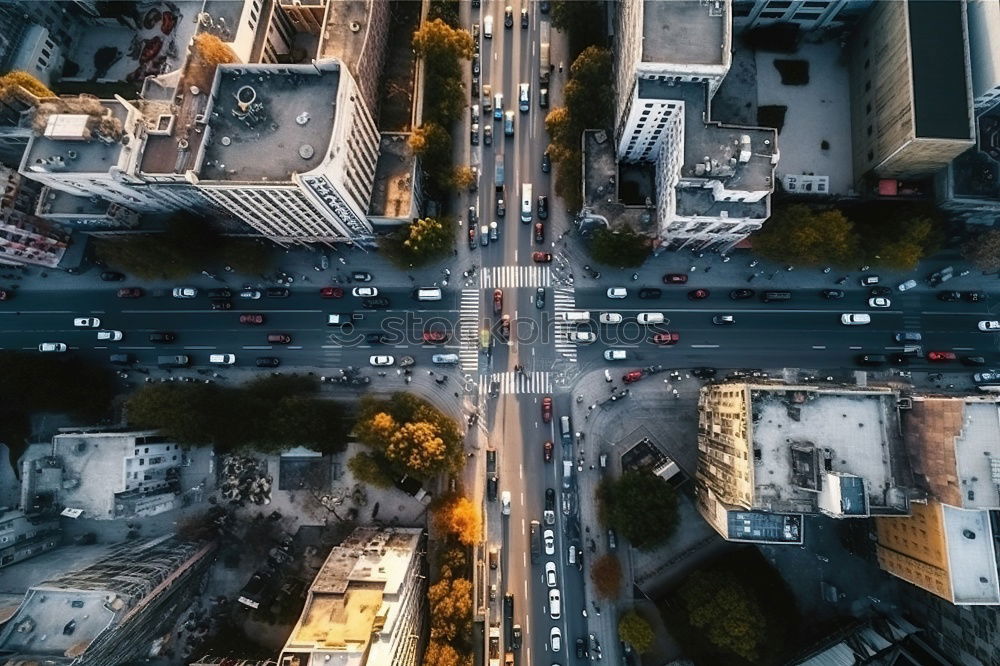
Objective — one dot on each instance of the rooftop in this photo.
(174, 152)
(684, 32)
(340, 40)
(392, 194)
(940, 58)
(600, 186)
(57, 202)
(79, 155)
(764, 527)
(971, 556)
(289, 118)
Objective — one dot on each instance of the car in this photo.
(505, 502)
(376, 338)
(632, 376)
(87, 322)
(113, 336)
(376, 303)
(251, 294)
(880, 291)
(6, 295)
(498, 106)
(501, 208)
(666, 338)
(130, 292)
(487, 135)
(698, 294)
(871, 359)
(555, 639)
(543, 101)
(222, 359)
(550, 499)
(649, 318)
(555, 603)
(524, 17)
(508, 17)
(741, 294)
(832, 294)
(331, 292)
(617, 292)
(380, 360)
(112, 276)
(523, 97)
(973, 296)
(546, 409)
(497, 301)
(515, 637)
(184, 292)
(162, 336)
(475, 70)
(581, 651)
(704, 373)
(723, 320)
(869, 280)
(268, 361)
(221, 304)
(276, 292)
(484, 235)
(541, 257)
(615, 355)
(508, 123)
(855, 319)
(543, 207)
(675, 278)
(973, 360)
(539, 235)
(550, 574)
(879, 302)
(609, 318)
(585, 337)
(649, 292)
(987, 377)
(253, 318)
(364, 292)
(949, 296)
(540, 298)
(904, 286)
(219, 293)
(547, 448)
(279, 338)
(475, 86)
(52, 347)
(472, 238)
(435, 336)
(549, 539)
(908, 336)
(546, 162)
(361, 276)
(474, 134)
(939, 356)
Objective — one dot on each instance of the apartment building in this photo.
(26, 239)
(911, 98)
(366, 606)
(948, 546)
(25, 535)
(807, 14)
(770, 453)
(110, 612)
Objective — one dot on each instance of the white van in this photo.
(444, 359)
(222, 359)
(523, 97)
(567, 472)
(650, 318)
(573, 316)
(859, 319)
(488, 27)
(427, 294)
(572, 555)
(526, 203)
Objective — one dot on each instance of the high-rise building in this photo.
(769, 453)
(366, 606)
(807, 14)
(25, 535)
(25, 238)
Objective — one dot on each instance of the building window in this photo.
(768, 15)
(779, 4)
(805, 16)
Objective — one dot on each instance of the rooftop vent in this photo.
(306, 151)
(225, 141)
(245, 96)
(355, 26)
(302, 118)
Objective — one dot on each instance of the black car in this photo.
(276, 292)
(491, 488)
(546, 164)
(871, 359)
(832, 294)
(543, 98)
(268, 361)
(580, 648)
(973, 360)
(375, 338)
(740, 294)
(501, 207)
(508, 18)
(949, 296)
(161, 337)
(650, 292)
(219, 304)
(704, 373)
(543, 207)
(880, 291)
(974, 296)
(375, 303)
(550, 499)
(540, 298)
(219, 293)
(112, 276)
(524, 17)
(515, 637)
(475, 86)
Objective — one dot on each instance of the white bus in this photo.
(526, 202)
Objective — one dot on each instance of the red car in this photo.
(698, 294)
(435, 336)
(633, 376)
(539, 232)
(497, 301)
(941, 356)
(129, 292)
(331, 292)
(251, 318)
(675, 278)
(547, 451)
(546, 409)
(666, 338)
(279, 338)
(541, 257)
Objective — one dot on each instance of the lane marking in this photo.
(855, 348)
(819, 346)
(704, 346)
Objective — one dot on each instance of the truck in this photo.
(498, 172)
(508, 616)
(544, 66)
(492, 480)
(494, 645)
(536, 541)
(526, 203)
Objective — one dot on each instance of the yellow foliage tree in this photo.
(442, 654)
(207, 53)
(13, 84)
(457, 516)
(437, 39)
(377, 430)
(418, 446)
(450, 601)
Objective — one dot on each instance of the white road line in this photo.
(136, 348)
(819, 346)
(525, 588)
(256, 347)
(198, 347)
(704, 346)
(854, 347)
(294, 347)
(520, 472)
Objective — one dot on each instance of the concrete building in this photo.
(984, 57)
(26, 239)
(366, 606)
(807, 14)
(911, 98)
(948, 546)
(26, 535)
(109, 613)
(769, 453)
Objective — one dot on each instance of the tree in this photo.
(15, 79)
(412, 434)
(186, 246)
(366, 468)
(438, 42)
(589, 92)
(635, 630)
(207, 53)
(797, 234)
(442, 654)
(561, 129)
(450, 601)
(623, 247)
(417, 447)
(307, 421)
(641, 506)
(455, 515)
(907, 250)
(426, 239)
(584, 20)
(984, 251)
(569, 183)
(453, 562)
(463, 177)
(717, 603)
(606, 572)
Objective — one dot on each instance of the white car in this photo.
(222, 359)
(549, 538)
(185, 292)
(550, 574)
(879, 302)
(505, 502)
(252, 294)
(581, 336)
(909, 284)
(617, 292)
(364, 292)
(615, 355)
(555, 639)
(87, 322)
(114, 336)
(855, 319)
(647, 318)
(52, 347)
(555, 602)
(610, 318)
(381, 360)
(989, 325)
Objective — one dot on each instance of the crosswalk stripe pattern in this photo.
(468, 331)
(564, 300)
(512, 383)
(512, 277)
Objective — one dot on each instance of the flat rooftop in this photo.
(940, 59)
(764, 527)
(601, 173)
(971, 556)
(57, 202)
(77, 155)
(288, 129)
(174, 152)
(798, 434)
(392, 194)
(49, 608)
(684, 32)
(339, 40)
(978, 456)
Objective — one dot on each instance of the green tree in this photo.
(634, 630)
(589, 92)
(641, 506)
(427, 239)
(799, 235)
(984, 251)
(728, 613)
(450, 602)
(584, 20)
(366, 468)
(316, 423)
(562, 131)
(624, 247)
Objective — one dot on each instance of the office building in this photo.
(911, 102)
(366, 606)
(807, 14)
(109, 613)
(948, 546)
(769, 453)
(25, 535)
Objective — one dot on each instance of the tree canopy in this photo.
(717, 603)
(983, 250)
(456, 516)
(606, 572)
(640, 506)
(422, 241)
(623, 247)
(414, 436)
(440, 43)
(635, 630)
(799, 235)
(450, 601)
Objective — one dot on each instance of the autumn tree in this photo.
(417, 446)
(452, 562)
(463, 177)
(207, 53)
(412, 434)
(439, 42)
(641, 506)
(634, 630)
(426, 239)
(984, 251)
(799, 235)
(455, 515)
(560, 128)
(727, 611)
(366, 468)
(589, 92)
(443, 654)
(906, 250)
(15, 83)
(450, 602)
(606, 572)
(623, 247)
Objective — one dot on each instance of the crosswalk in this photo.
(516, 383)
(512, 277)
(564, 300)
(468, 331)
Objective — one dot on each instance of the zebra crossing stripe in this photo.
(513, 277)
(468, 331)
(515, 383)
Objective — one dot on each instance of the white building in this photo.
(366, 605)
(984, 56)
(807, 14)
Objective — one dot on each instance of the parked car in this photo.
(987, 377)
(832, 294)
(546, 409)
(666, 338)
(185, 292)
(939, 356)
(129, 292)
(331, 292)
(381, 360)
(741, 294)
(879, 302)
(251, 294)
(541, 257)
(364, 292)
(112, 276)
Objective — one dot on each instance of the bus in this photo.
(526, 203)
(544, 67)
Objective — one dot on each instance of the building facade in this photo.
(807, 14)
(25, 535)
(25, 238)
